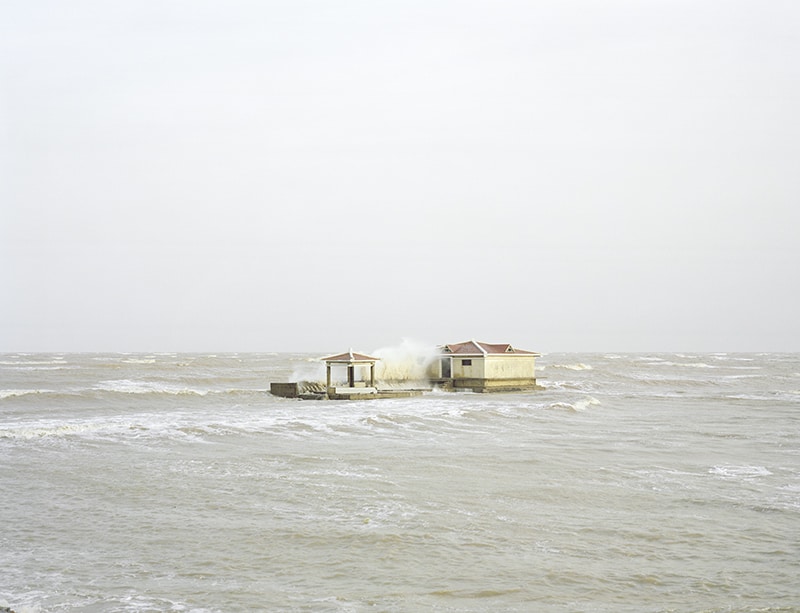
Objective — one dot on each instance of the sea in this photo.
(646, 482)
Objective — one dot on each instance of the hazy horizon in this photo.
(311, 176)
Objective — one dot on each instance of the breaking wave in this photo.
(728, 471)
(578, 366)
(577, 406)
(128, 386)
(19, 393)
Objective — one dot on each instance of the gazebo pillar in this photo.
(350, 361)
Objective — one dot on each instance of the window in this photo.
(466, 362)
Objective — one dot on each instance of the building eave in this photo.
(479, 349)
(350, 357)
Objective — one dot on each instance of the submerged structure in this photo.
(358, 383)
(485, 367)
(468, 366)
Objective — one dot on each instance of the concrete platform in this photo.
(352, 393)
(304, 391)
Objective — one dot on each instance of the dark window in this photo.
(466, 362)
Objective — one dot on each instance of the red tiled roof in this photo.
(349, 356)
(479, 349)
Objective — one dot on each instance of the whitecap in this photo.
(20, 363)
(731, 471)
(582, 405)
(16, 393)
(45, 430)
(578, 366)
(128, 386)
(577, 406)
(726, 357)
(686, 364)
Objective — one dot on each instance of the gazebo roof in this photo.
(350, 358)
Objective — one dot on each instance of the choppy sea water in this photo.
(175, 482)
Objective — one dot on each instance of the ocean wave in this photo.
(18, 393)
(682, 379)
(734, 377)
(724, 357)
(553, 385)
(128, 386)
(37, 366)
(144, 426)
(577, 406)
(32, 362)
(732, 471)
(38, 431)
(785, 396)
(578, 366)
(134, 389)
(685, 364)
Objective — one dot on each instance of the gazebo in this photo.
(351, 360)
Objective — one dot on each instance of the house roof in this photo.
(349, 357)
(476, 348)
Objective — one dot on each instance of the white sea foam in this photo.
(731, 471)
(48, 429)
(735, 377)
(578, 366)
(578, 405)
(685, 364)
(16, 393)
(56, 362)
(128, 386)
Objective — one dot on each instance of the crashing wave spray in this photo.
(311, 371)
(405, 365)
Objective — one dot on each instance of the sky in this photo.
(316, 175)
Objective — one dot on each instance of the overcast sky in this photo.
(314, 175)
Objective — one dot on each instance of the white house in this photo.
(485, 367)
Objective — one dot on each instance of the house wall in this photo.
(494, 372)
(509, 367)
(473, 370)
(490, 367)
